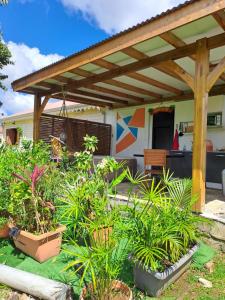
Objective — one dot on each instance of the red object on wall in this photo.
(176, 141)
(209, 146)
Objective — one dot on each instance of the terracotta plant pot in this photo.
(4, 231)
(40, 247)
(116, 285)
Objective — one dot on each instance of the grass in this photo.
(186, 288)
(4, 292)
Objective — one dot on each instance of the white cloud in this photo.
(26, 60)
(115, 15)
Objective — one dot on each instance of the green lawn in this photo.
(186, 288)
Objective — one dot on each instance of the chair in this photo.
(154, 158)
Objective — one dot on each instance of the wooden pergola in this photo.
(176, 56)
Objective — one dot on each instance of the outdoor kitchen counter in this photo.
(180, 163)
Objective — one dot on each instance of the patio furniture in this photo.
(154, 161)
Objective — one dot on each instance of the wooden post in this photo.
(200, 123)
(36, 117)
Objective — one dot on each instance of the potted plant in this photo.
(99, 266)
(86, 196)
(12, 159)
(4, 228)
(37, 233)
(164, 234)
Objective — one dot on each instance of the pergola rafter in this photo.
(139, 77)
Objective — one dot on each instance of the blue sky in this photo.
(49, 26)
(40, 32)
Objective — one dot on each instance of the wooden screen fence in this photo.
(75, 130)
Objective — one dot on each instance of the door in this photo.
(11, 136)
(163, 130)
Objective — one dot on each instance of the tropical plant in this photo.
(99, 265)
(15, 194)
(86, 193)
(164, 227)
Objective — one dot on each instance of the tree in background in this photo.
(5, 57)
(3, 2)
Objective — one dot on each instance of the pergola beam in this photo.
(220, 18)
(179, 71)
(187, 95)
(77, 93)
(176, 42)
(175, 18)
(117, 83)
(43, 105)
(138, 55)
(213, 42)
(36, 117)
(139, 65)
(100, 88)
(81, 100)
(139, 77)
(214, 75)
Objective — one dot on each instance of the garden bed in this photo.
(187, 286)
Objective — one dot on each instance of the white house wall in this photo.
(27, 124)
(184, 112)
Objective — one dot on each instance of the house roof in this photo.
(50, 107)
(151, 62)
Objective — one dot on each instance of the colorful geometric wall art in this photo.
(127, 128)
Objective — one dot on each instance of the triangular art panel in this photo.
(127, 119)
(138, 119)
(134, 131)
(127, 128)
(125, 142)
(119, 131)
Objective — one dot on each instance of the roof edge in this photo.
(129, 37)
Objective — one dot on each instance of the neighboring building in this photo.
(23, 121)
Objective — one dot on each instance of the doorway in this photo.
(163, 130)
(11, 136)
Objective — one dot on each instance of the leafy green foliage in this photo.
(164, 227)
(99, 264)
(5, 57)
(86, 191)
(26, 195)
